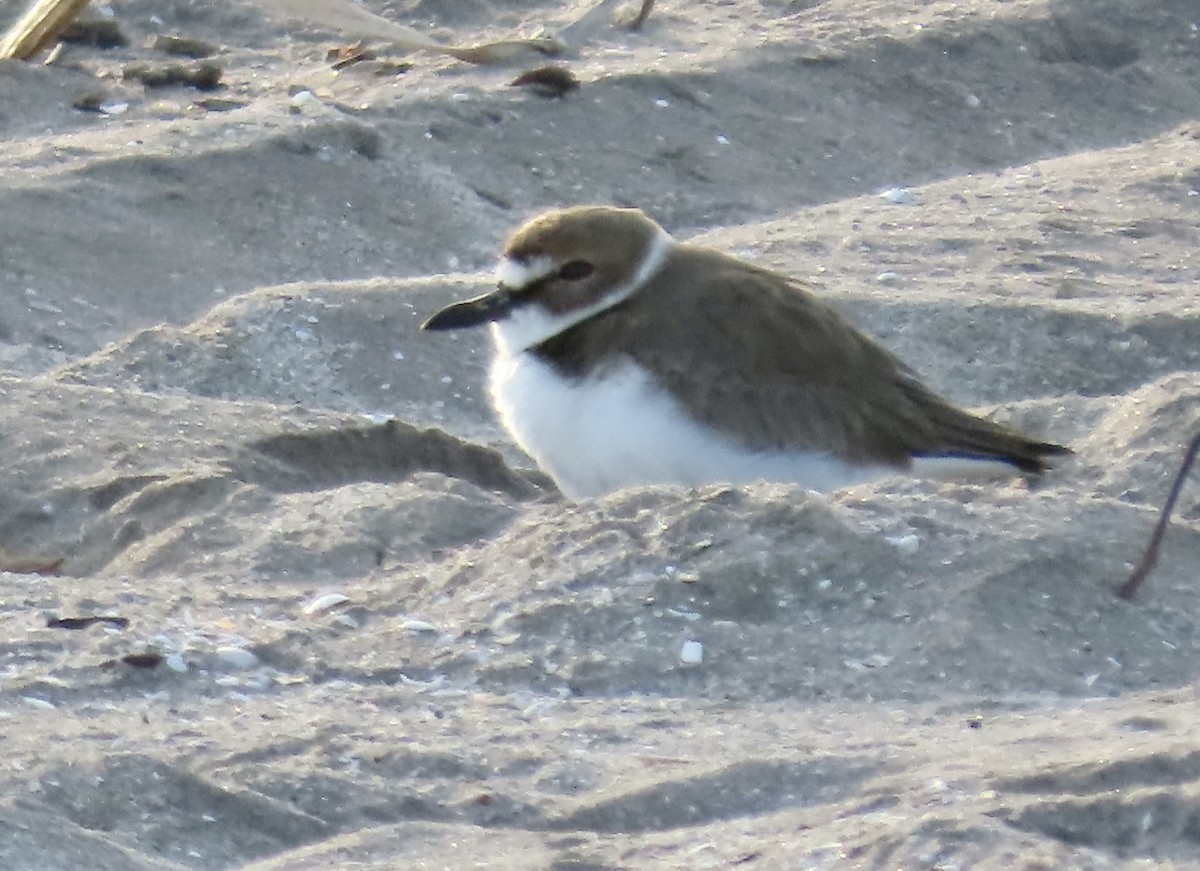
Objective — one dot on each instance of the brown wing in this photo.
(792, 373)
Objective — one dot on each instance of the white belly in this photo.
(602, 434)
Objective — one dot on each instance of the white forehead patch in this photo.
(529, 325)
(515, 274)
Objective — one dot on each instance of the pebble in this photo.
(691, 653)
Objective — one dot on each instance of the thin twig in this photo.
(1150, 557)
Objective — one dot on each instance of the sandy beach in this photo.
(278, 592)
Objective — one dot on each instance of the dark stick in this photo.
(642, 15)
(1150, 557)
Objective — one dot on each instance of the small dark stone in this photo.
(143, 660)
(76, 623)
(203, 76)
(91, 101)
(184, 46)
(98, 32)
(548, 81)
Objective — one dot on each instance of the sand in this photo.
(347, 624)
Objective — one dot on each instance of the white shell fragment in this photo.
(325, 602)
(418, 626)
(905, 543)
(691, 653)
(237, 657)
(175, 662)
(898, 196)
(304, 99)
(875, 660)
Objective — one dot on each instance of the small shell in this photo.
(175, 662)
(304, 99)
(691, 653)
(418, 626)
(909, 543)
(237, 657)
(898, 196)
(324, 603)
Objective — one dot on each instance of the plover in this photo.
(624, 357)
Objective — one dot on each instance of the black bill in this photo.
(472, 312)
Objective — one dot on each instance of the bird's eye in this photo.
(576, 270)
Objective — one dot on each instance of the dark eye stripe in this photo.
(576, 270)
